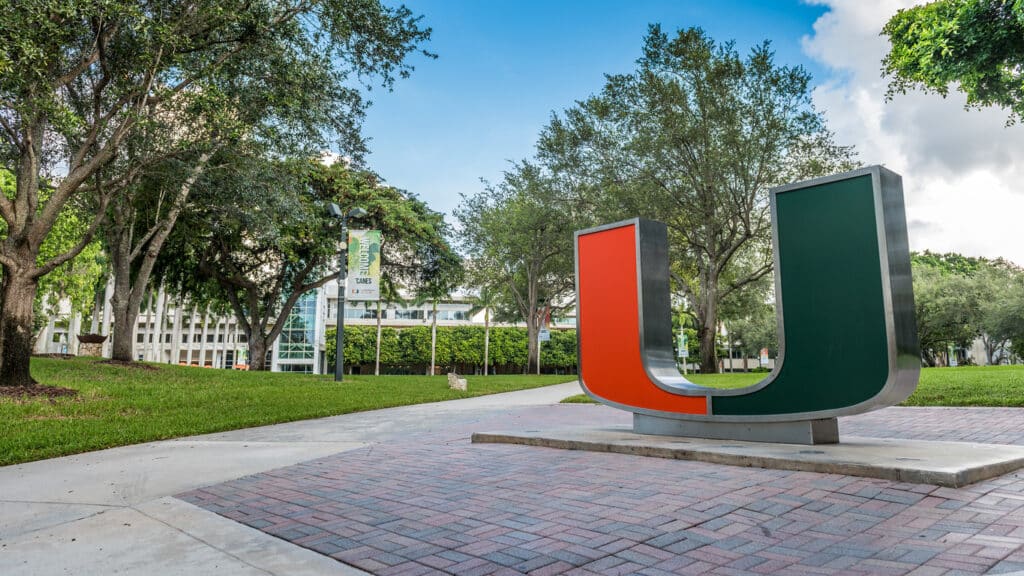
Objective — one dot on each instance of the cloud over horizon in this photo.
(964, 191)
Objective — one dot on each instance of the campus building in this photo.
(177, 332)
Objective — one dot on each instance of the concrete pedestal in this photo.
(825, 431)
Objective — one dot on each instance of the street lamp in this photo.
(339, 358)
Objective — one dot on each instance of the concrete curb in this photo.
(949, 464)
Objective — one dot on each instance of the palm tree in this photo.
(388, 295)
(485, 300)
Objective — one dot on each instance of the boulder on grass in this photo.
(456, 383)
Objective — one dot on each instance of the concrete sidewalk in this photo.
(111, 511)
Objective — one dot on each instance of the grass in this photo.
(962, 386)
(120, 405)
(970, 386)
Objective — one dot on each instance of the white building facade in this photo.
(170, 331)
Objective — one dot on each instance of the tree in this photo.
(959, 299)
(695, 138)
(440, 273)
(75, 280)
(259, 232)
(415, 254)
(79, 79)
(519, 234)
(756, 331)
(1000, 288)
(484, 301)
(260, 252)
(947, 307)
(978, 45)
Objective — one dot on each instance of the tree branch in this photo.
(87, 237)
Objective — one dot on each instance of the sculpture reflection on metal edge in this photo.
(847, 335)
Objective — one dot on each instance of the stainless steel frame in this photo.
(898, 302)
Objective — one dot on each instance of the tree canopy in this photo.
(976, 45)
(260, 236)
(518, 235)
(86, 83)
(959, 299)
(695, 138)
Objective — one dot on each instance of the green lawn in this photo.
(120, 405)
(123, 405)
(963, 386)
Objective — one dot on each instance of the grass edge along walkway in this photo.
(121, 405)
(991, 386)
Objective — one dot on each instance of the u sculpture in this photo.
(847, 334)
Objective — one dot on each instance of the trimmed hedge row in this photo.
(459, 349)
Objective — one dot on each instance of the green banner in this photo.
(363, 281)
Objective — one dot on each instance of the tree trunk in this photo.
(376, 362)
(258, 347)
(147, 338)
(433, 340)
(18, 291)
(532, 346)
(124, 320)
(74, 326)
(125, 315)
(105, 325)
(487, 337)
(161, 312)
(707, 331)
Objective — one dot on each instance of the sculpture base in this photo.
(824, 431)
(952, 464)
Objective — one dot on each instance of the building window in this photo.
(360, 313)
(303, 368)
(404, 314)
(209, 338)
(450, 315)
(298, 337)
(140, 338)
(184, 338)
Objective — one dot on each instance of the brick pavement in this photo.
(438, 504)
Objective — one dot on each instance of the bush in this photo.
(459, 349)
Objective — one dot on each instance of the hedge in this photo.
(459, 349)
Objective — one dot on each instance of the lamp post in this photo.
(339, 358)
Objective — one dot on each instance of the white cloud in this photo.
(964, 191)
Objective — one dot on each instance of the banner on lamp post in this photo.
(363, 281)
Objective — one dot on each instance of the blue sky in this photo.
(503, 66)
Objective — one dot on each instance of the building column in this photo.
(176, 332)
(191, 335)
(158, 332)
(216, 334)
(202, 336)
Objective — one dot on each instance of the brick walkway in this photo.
(442, 505)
